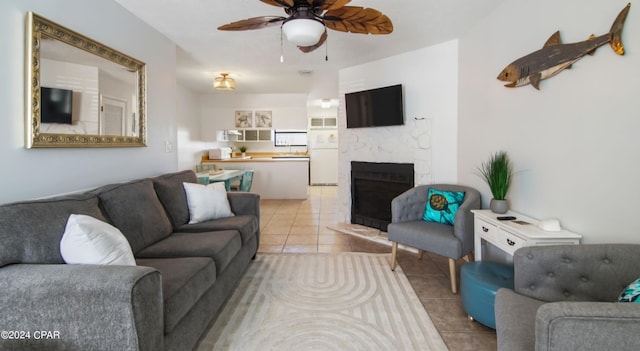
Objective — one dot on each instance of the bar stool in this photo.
(247, 180)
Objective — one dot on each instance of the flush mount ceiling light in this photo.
(224, 82)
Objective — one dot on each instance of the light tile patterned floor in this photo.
(302, 226)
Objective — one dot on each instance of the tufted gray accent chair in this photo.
(565, 298)
(408, 228)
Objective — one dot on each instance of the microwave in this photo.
(222, 153)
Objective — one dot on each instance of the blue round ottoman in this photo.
(479, 282)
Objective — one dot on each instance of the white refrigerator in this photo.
(323, 154)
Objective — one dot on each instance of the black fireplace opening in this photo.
(373, 186)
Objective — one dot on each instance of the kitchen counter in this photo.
(276, 176)
(263, 157)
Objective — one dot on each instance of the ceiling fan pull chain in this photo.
(281, 48)
(326, 50)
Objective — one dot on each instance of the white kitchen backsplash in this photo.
(409, 143)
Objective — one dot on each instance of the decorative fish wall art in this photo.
(556, 56)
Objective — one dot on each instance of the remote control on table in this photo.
(506, 218)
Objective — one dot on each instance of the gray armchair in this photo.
(408, 228)
(565, 298)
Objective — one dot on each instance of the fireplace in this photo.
(373, 186)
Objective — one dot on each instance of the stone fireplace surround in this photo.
(410, 143)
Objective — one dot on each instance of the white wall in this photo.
(574, 143)
(190, 141)
(289, 111)
(428, 139)
(42, 172)
(324, 86)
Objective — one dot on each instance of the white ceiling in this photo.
(253, 57)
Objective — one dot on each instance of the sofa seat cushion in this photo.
(172, 195)
(247, 225)
(222, 246)
(135, 209)
(441, 239)
(184, 282)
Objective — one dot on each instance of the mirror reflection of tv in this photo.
(56, 105)
(375, 107)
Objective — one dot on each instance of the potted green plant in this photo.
(243, 150)
(498, 172)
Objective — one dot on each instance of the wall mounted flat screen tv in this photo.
(56, 105)
(375, 108)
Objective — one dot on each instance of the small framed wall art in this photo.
(263, 119)
(244, 119)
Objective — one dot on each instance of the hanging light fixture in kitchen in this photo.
(224, 82)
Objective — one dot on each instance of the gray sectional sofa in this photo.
(184, 272)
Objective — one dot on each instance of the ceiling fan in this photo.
(308, 20)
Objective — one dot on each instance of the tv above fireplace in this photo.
(375, 107)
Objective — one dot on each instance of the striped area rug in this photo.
(342, 301)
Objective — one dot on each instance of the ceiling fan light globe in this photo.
(303, 31)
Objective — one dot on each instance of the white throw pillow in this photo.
(207, 202)
(87, 240)
(217, 186)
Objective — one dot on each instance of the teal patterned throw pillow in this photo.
(631, 293)
(442, 205)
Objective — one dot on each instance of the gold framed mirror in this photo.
(79, 92)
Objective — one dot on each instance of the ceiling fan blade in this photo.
(307, 49)
(330, 4)
(355, 19)
(279, 3)
(254, 23)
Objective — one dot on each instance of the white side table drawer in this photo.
(486, 230)
(509, 242)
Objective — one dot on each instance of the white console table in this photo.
(511, 235)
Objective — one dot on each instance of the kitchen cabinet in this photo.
(222, 135)
(255, 135)
(244, 135)
(323, 123)
(227, 135)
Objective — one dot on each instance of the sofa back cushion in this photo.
(135, 209)
(591, 272)
(172, 195)
(30, 231)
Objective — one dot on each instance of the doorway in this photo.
(112, 116)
